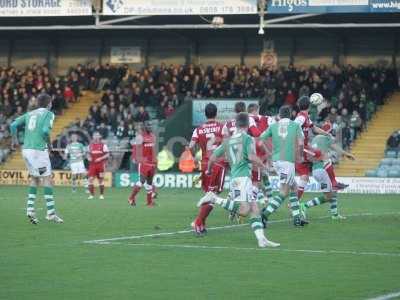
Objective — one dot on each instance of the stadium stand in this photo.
(18, 89)
(389, 166)
(350, 101)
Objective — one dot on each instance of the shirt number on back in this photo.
(32, 123)
(210, 141)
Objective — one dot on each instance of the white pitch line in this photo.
(386, 297)
(133, 237)
(184, 246)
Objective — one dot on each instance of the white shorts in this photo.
(78, 167)
(37, 162)
(241, 189)
(322, 177)
(286, 172)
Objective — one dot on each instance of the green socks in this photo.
(294, 204)
(31, 199)
(48, 196)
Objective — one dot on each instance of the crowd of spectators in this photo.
(18, 89)
(352, 94)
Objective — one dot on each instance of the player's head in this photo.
(303, 103)
(253, 108)
(240, 107)
(43, 100)
(74, 137)
(285, 112)
(147, 126)
(96, 136)
(327, 126)
(210, 111)
(242, 120)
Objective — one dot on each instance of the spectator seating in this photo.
(388, 166)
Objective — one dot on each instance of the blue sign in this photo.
(332, 6)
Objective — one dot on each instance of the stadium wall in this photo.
(60, 51)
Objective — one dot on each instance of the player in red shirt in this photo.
(258, 124)
(97, 155)
(145, 155)
(303, 169)
(208, 137)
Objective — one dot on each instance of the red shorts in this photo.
(304, 168)
(96, 170)
(146, 170)
(256, 175)
(215, 181)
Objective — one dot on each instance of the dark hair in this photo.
(252, 107)
(43, 100)
(285, 112)
(303, 102)
(211, 111)
(240, 107)
(242, 120)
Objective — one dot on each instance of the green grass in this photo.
(50, 261)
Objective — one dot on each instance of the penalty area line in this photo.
(160, 234)
(206, 247)
(386, 296)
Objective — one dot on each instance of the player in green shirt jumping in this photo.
(75, 152)
(239, 149)
(287, 146)
(320, 147)
(37, 128)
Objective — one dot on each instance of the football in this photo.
(316, 99)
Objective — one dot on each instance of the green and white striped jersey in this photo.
(37, 128)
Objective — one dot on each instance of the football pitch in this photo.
(108, 250)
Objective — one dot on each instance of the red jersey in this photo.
(97, 150)
(303, 119)
(208, 136)
(144, 148)
(230, 128)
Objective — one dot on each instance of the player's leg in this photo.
(256, 186)
(100, 178)
(258, 227)
(85, 181)
(267, 187)
(322, 177)
(303, 170)
(74, 178)
(92, 174)
(50, 203)
(205, 209)
(137, 187)
(331, 172)
(148, 186)
(29, 157)
(277, 200)
(32, 193)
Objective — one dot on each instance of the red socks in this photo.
(204, 211)
(331, 172)
(135, 191)
(150, 198)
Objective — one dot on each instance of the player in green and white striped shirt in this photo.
(320, 146)
(239, 149)
(287, 142)
(37, 126)
(75, 152)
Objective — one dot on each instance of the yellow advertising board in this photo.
(60, 178)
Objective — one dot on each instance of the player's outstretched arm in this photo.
(318, 130)
(340, 150)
